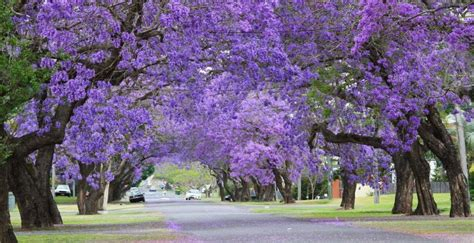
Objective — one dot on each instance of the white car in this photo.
(193, 194)
(63, 190)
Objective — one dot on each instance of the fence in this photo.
(436, 187)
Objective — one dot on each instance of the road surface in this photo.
(201, 221)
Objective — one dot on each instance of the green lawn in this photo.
(364, 208)
(116, 214)
(65, 200)
(121, 223)
(441, 226)
(368, 214)
(158, 235)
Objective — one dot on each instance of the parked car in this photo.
(228, 198)
(62, 190)
(152, 189)
(136, 195)
(193, 194)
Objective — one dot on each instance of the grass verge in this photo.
(368, 214)
(423, 227)
(327, 209)
(121, 223)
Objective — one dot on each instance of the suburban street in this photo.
(202, 221)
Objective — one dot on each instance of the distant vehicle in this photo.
(136, 195)
(63, 190)
(193, 194)
(152, 189)
(228, 198)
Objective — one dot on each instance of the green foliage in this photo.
(4, 151)
(307, 191)
(19, 81)
(192, 177)
(331, 80)
(150, 170)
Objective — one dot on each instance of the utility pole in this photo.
(276, 195)
(376, 194)
(299, 188)
(74, 187)
(462, 145)
(377, 187)
(330, 180)
(106, 197)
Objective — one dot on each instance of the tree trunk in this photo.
(405, 183)
(225, 180)
(92, 204)
(258, 189)
(245, 194)
(81, 198)
(31, 186)
(439, 141)
(87, 199)
(348, 193)
(119, 187)
(283, 184)
(460, 204)
(220, 184)
(421, 171)
(268, 193)
(122, 182)
(238, 191)
(6, 229)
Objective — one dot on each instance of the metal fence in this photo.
(436, 187)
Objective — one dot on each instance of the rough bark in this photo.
(263, 193)
(31, 186)
(6, 230)
(225, 183)
(241, 192)
(221, 188)
(283, 183)
(421, 171)
(121, 184)
(88, 198)
(237, 192)
(123, 181)
(348, 193)
(245, 192)
(268, 193)
(405, 183)
(258, 189)
(436, 137)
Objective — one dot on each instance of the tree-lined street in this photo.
(244, 101)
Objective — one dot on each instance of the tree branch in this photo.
(331, 137)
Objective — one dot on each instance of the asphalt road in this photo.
(201, 221)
